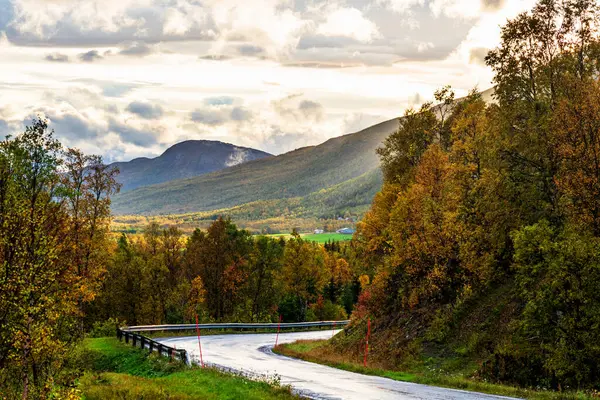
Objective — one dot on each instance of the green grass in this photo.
(320, 351)
(325, 237)
(118, 371)
(319, 238)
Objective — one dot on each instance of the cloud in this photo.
(238, 156)
(424, 46)
(492, 5)
(240, 114)
(249, 50)
(142, 137)
(401, 6)
(219, 101)
(477, 55)
(71, 125)
(349, 22)
(311, 109)
(295, 109)
(215, 57)
(145, 110)
(209, 117)
(219, 113)
(90, 56)
(136, 49)
(4, 129)
(57, 57)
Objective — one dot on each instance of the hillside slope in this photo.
(298, 173)
(183, 160)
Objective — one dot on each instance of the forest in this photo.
(485, 237)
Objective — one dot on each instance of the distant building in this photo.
(318, 231)
(345, 231)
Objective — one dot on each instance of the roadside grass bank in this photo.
(458, 377)
(113, 370)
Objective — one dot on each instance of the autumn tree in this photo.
(54, 216)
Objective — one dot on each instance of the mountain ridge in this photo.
(183, 160)
(297, 173)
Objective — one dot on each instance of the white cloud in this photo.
(424, 46)
(42, 17)
(349, 22)
(401, 6)
(456, 8)
(301, 47)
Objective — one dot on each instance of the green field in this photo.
(325, 237)
(319, 238)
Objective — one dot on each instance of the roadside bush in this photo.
(106, 328)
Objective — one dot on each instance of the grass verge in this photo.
(321, 352)
(114, 371)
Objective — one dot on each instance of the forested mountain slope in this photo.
(298, 173)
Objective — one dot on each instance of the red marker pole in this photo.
(199, 344)
(367, 342)
(278, 326)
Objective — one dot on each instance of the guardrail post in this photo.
(134, 340)
(127, 337)
(151, 345)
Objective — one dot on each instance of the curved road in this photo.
(251, 354)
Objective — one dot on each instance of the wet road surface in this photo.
(251, 354)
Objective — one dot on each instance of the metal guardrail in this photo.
(128, 333)
(146, 343)
(240, 326)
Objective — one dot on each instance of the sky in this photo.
(129, 78)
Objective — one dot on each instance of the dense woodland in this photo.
(486, 234)
(223, 274)
(484, 237)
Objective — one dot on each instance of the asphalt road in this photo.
(251, 354)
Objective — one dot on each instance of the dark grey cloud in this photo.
(215, 57)
(90, 56)
(311, 109)
(129, 134)
(209, 117)
(249, 50)
(57, 57)
(4, 129)
(220, 114)
(71, 126)
(136, 49)
(241, 114)
(145, 110)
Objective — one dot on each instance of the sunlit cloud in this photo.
(126, 78)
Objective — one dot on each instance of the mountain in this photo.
(309, 173)
(184, 160)
(339, 175)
